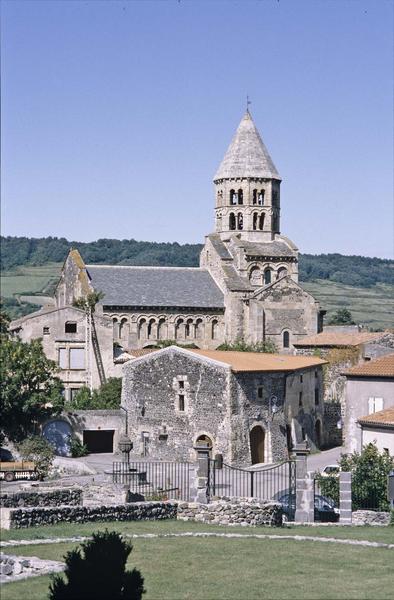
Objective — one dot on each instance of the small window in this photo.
(260, 391)
(267, 276)
(301, 378)
(374, 405)
(286, 341)
(45, 330)
(63, 362)
(303, 434)
(316, 396)
(300, 399)
(181, 402)
(181, 385)
(77, 358)
(316, 374)
(70, 327)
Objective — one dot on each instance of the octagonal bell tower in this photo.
(247, 188)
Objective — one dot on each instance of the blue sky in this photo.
(115, 116)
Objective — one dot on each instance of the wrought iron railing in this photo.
(155, 480)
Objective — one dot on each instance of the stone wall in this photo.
(13, 568)
(41, 498)
(18, 518)
(234, 511)
(332, 415)
(370, 517)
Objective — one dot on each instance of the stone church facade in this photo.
(245, 288)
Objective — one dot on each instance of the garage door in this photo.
(99, 441)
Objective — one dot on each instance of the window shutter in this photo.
(371, 405)
(378, 404)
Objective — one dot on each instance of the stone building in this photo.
(250, 407)
(245, 288)
(369, 389)
(64, 337)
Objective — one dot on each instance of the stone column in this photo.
(345, 497)
(305, 501)
(201, 479)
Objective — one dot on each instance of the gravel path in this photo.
(256, 536)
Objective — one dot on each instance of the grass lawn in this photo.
(372, 534)
(227, 569)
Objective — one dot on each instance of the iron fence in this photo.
(276, 482)
(155, 480)
(369, 494)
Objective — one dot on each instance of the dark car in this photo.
(325, 509)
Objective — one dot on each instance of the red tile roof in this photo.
(384, 418)
(332, 338)
(381, 367)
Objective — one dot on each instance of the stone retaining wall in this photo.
(71, 497)
(17, 518)
(237, 511)
(370, 517)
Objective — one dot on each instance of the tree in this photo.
(370, 470)
(30, 391)
(99, 573)
(108, 396)
(39, 450)
(268, 346)
(343, 316)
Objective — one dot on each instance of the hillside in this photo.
(31, 266)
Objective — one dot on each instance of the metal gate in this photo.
(276, 482)
(155, 480)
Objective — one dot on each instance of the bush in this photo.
(329, 486)
(241, 346)
(38, 450)
(77, 448)
(99, 573)
(107, 397)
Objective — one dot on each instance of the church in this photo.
(246, 287)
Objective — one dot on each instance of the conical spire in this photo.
(247, 156)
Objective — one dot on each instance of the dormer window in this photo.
(70, 327)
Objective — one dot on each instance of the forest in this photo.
(358, 271)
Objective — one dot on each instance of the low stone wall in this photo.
(17, 518)
(71, 497)
(234, 511)
(13, 568)
(370, 517)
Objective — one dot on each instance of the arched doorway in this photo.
(257, 439)
(318, 434)
(204, 445)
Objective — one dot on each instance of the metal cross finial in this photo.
(248, 102)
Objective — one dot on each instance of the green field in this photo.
(373, 306)
(233, 568)
(28, 280)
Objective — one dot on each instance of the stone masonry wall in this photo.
(18, 518)
(43, 498)
(234, 511)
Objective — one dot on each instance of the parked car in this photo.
(325, 509)
(330, 470)
(11, 469)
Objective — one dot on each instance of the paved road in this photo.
(327, 457)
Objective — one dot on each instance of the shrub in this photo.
(267, 346)
(77, 448)
(99, 572)
(38, 450)
(108, 396)
(329, 486)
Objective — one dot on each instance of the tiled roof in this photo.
(383, 418)
(137, 352)
(274, 248)
(259, 361)
(381, 367)
(338, 339)
(155, 286)
(247, 155)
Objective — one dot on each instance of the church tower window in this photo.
(240, 221)
(240, 197)
(215, 329)
(260, 198)
(233, 197)
(267, 276)
(282, 272)
(261, 221)
(255, 218)
(231, 222)
(254, 196)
